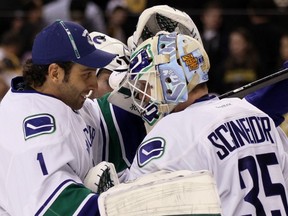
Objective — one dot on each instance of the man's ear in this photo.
(55, 72)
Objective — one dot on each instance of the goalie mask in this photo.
(120, 64)
(163, 70)
(162, 18)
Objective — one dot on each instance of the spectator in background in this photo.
(282, 13)
(33, 23)
(17, 22)
(283, 49)
(10, 48)
(116, 15)
(266, 34)
(10, 65)
(9, 10)
(242, 64)
(77, 10)
(59, 9)
(213, 37)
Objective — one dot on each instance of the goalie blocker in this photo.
(163, 193)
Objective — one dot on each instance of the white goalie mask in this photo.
(163, 70)
(120, 64)
(162, 18)
(151, 21)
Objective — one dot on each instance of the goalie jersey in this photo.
(231, 138)
(122, 132)
(45, 155)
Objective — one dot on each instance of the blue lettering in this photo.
(266, 128)
(90, 133)
(213, 138)
(222, 137)
(234, 134)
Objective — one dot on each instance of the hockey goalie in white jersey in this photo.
(158, 12)
(235, 141)
(46, 147)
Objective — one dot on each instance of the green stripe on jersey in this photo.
(115, 151)
(68, 201)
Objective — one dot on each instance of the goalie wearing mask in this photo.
(119, 138)
(158, 11)
(125, 131)
(165, 18)
(231, 138)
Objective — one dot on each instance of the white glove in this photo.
(101, 177)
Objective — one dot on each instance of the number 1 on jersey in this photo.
(42, 163)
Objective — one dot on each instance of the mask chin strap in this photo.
(166, 108)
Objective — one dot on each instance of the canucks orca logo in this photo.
(99, 39)
(152, 114)
(38, 124)
(149, 150)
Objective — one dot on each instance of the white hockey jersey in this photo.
(239, 144)
(46, 151)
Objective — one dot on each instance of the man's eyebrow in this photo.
(88, 69)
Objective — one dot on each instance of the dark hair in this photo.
(261, 8)
(78, 5)
(35, 75)
(212, 4)
(10, 38)
(252, 55)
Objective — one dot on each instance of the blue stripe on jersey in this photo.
(70, 198)
(132, 130)
(53, 194)
(91, 207)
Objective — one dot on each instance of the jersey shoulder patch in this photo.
(38, 125)
(149, 150)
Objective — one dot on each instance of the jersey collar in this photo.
(205, 98)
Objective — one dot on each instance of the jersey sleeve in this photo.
(272, 100)
(43, 181)
(68, 196)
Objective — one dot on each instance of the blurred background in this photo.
(245, 39)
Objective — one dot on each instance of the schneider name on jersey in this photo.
(238, 143)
